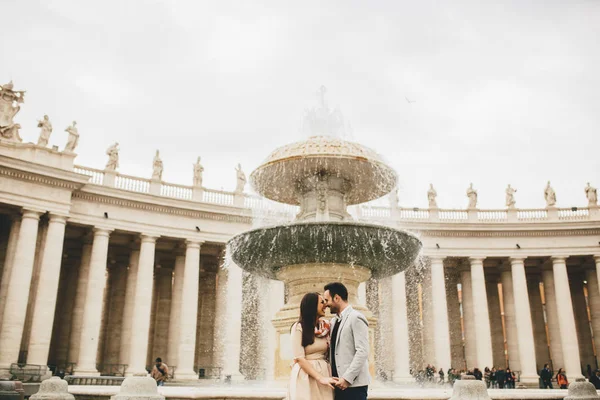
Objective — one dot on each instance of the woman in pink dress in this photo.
(311, 373)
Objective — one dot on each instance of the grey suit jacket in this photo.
(352, 348)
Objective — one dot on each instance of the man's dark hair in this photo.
(158, 360)
(337, 288)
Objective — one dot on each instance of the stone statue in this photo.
(241, 179)
(45, 132)
(592, 195)
(198, 170)
(510, 197)
(113, 157)
(431, 196)
(157, 165)
(9, 107)
(323, 121)
(472, 195)
(73, 139)
(550, 196)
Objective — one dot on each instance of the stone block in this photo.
(468, 388)
(8, 391)
(138, 388)
(53, 389)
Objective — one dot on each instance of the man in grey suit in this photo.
(349, 349)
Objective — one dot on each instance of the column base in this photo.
(186, 375)
(529, 381)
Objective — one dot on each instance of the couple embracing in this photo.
(344, 342)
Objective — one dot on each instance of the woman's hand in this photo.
(328, 381)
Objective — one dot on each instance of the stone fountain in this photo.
(323, 175)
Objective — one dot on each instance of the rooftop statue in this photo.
(157, 167)
(321, 120)
(241, 179)
(472, 195)
(510, 197)
(113, 157)
(73, 139)
(592, 195)
(431, 196)
(9, 107)
(198, 170)
(549, 196)
(45, 132)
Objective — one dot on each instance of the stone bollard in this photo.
(582, 390)
(468, 388)
(8, 392)
(138, 388)
(53, 389)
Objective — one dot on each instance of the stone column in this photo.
(79, 302)
(469, 321)
(189, 312)
(481, 316)
(556, 353)
(132, 273)
(362, 293)
(594, 300)
(542, 355)
(275, 303)
(455, 325)
(495, 321)
(45, 302)
(175, 319)
(8, 262)
(523, 320)
(512, 337)
(228, 329)
(427, 315)
(566, 320)
(582, 323)
(400, 330)
(92, 310)
(18, 286)
(142, 307)
(596, 260)
(441, 331)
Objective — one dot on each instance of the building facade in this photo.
(102, 272)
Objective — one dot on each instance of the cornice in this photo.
(163, 209)
(38, 173)
(505, 233)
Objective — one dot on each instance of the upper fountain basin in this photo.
(385, 251)
(366, 175)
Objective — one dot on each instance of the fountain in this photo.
(323, 175)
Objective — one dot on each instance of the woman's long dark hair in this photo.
(308, 317)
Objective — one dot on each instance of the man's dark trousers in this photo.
(352, 393)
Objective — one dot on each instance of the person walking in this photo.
(546, 376)
(501, 378)
(561, 379)
(595, 379)
(510, 379)
(487, 376)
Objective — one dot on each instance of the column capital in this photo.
(148, 238)
(31, 214)
(517, 260)
(439, 260)
(193, 243)
(476, 260)
(559, 259)
(58, 219)
(101, 231)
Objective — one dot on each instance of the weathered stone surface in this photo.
(138, 388)
(53, 389)
(582, 390)
(468, 388)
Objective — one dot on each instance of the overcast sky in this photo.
(502, 94)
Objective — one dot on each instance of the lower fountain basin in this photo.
(383, 250)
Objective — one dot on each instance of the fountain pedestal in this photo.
(304, 278)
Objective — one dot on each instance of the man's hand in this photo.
(342, 384)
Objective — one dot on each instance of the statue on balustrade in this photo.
(550, 196)
(157, 165)
(73, 139)
(472, 195)
(592, 195)
(113, 157)
(431, 196)
(45, 132)
(394, 198)
(198, 170)
(510, 197)
(241, 179)
(9, 107)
